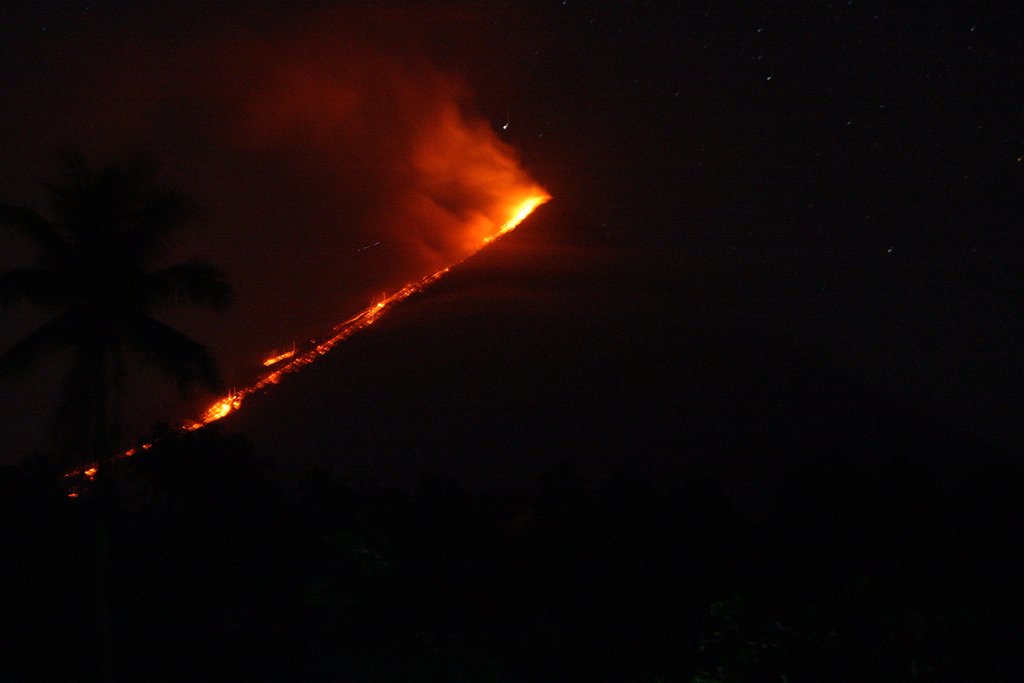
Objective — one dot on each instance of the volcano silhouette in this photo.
(552, 354)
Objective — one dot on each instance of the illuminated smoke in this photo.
(398, 137)
(338, 155)
(306, 135)
(337, 162)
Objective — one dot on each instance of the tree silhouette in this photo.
(94, 269)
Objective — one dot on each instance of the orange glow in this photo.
(442, 177)
(222, 407)
(278, 358)
(524, 209)
(350, 112)
(298, 357)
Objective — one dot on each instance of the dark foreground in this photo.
(215, 568)
(596, 478)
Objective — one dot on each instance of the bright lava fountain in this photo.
(295, 359)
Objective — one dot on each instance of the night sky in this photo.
(842, 177)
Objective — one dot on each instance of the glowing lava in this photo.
(295, 359)
(342, 331)
(277, 358)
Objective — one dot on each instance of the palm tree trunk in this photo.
(102, 591)
(99, 447)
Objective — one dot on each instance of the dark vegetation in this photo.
(624, 489)
(222, 567)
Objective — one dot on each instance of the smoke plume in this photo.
(335, 158)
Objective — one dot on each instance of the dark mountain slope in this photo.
(545, 350)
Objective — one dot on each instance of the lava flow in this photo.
(295, 359)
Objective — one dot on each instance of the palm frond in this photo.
(76, 182)
(33, 284)
(30, 224)
(52, 336)
(108, 224)
(194, 283)
(148, 225)
(122, 204)
(174, 354)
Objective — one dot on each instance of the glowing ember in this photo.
(222, 407)
(522, 211)
(273, 360)
(293, 360)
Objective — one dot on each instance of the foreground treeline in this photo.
(208, 564)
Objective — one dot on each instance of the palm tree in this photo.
(105, 229)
